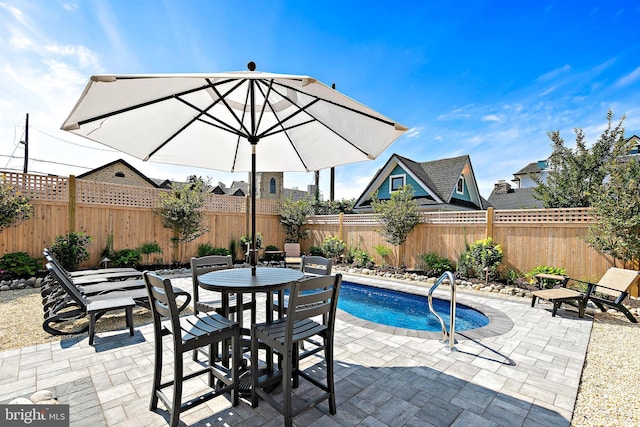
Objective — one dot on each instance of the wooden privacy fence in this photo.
(528, 237)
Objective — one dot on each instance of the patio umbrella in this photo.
(219, 121)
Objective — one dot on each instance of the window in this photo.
(120, 174)
(460, 186)
(395, 182)
(272, 186)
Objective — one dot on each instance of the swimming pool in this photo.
(403, 310)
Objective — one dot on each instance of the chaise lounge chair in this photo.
(611, 290)
(75, 305)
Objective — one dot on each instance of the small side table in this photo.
(96, 309)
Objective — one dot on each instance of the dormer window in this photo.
(396, 182)
(460, 185)
(120, 174)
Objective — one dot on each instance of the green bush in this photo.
(315, 251)
(483, 254)
(206, 249)
(383, 252)
(545, 269)
(246, 240)
(361, 258)
(272, 257)
(71, 249)
(434, 264)
(149, 248)
(332, 247)
(127, 258)
(19, 265)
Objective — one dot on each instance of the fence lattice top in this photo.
(54, 188)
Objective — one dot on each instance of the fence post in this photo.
(490, 223)
(72, 203)
(340, 226)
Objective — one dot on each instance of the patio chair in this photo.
(611, 290)
(308, 298)
(292, 254)
(189, 333)
(206, 264)
(315, 265)
(74, 305)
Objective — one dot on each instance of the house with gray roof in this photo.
(438, 185)
(505, 197)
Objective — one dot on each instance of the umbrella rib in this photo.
(304, 109)
(141, 105)
(224, 101)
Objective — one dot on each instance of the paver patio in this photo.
(523, 370)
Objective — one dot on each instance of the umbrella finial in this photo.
(251, 66)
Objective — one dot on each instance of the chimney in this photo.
(502, 187)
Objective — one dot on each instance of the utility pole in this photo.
(26, 144)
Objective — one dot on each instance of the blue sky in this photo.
(484, 78)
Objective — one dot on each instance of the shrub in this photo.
(246, 240)
(361, 258)
(19, 265)
(71, 249)
(482, 254)
(127, 258)
(206, 249)
(333, 247)
(384, 252)
(149, 248)
(545, 269)
(315, 251)
(434, 264)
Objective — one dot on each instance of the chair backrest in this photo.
(616, 281)
(316, 265)
(292, 249)
(205, 264)
(316, 296)
(162, 302)
(65, 283)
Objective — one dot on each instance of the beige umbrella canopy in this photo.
(244, 121)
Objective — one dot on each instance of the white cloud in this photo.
(491, 118)
(20, 42)
(632, 77)
(413, 132)
(554, 73)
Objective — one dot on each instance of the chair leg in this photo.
(92, 327)
(129, 311)
(235, 368)
(157, 372)
(287, 390)
(178, 373)
(254, 370)
(213, 349)
(328, 355)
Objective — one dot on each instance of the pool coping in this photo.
(499, 323)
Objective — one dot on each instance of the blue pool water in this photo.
(404, 310)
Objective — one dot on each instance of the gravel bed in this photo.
(608, 393)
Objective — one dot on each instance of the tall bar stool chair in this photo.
(309, 298)
(189, 333)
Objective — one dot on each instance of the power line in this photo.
(43, 161)
(72, 143)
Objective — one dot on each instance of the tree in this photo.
(577, 174)
(14, 208)
(616, 208)
(292, 216)
(180, 211)
(398, 215)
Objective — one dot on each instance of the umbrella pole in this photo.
(253, 253)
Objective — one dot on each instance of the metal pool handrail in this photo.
(452, 318)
